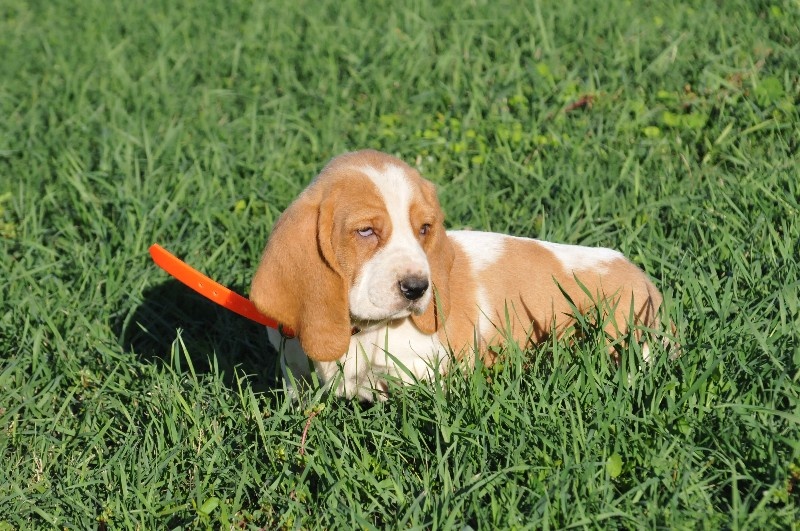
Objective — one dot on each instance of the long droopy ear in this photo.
(439, 251)
(297, 286)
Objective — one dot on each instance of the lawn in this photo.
(667, 130)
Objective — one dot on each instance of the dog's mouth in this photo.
(410, 308)
(364, 324)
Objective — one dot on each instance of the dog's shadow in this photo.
(208, 332)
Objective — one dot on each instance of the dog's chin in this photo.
(387, 316)
(364, 322)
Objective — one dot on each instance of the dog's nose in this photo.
(413, 288)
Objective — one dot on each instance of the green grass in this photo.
(128, 402)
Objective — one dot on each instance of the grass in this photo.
(667, 130)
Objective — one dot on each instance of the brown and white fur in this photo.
(361, 267)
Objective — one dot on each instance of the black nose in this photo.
(413, 288)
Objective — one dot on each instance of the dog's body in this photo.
(360, 265)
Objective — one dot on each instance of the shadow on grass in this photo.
(208, 331)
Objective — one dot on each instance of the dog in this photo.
(361, 267)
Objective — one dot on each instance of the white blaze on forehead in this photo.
(396, 191)
(580, 258)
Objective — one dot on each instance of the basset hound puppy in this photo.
(361, 267)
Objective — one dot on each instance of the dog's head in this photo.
(364, 243)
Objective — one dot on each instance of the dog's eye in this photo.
(425, 229)
(365, 232)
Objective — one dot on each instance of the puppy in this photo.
(361, 267)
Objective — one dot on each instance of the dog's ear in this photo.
(298, 285)
(439, 250)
